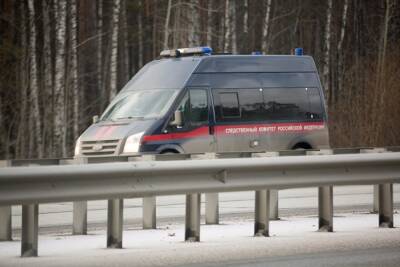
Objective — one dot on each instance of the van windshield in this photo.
(141, 104)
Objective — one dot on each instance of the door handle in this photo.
(254, 143)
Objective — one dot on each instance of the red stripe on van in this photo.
(240, 129)
(202, 131)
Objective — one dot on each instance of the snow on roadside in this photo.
(230, 240)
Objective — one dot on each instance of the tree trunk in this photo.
(209, 22)
(246, 16)
(125, 53)
(100, 78)
(232, 9)
(140, 35)
(327, 43)
(23, 84)
(74, 70)
(33, 75)
(47, 79)
(166, 25)
(340, 49)
(381, 87)
(266, 26)
(227, 26)
(114, 48)
(193, 18)
(59, 88)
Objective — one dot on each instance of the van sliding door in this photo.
(238, 114)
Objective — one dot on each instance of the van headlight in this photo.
(78, 147)
(132, 143)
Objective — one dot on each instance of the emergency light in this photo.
(201, 50)
(298, 51)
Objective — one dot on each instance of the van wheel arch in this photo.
(169, 151)
(302, 145)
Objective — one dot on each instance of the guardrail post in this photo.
(211, 199)
(5, 223)
(29, 231)
(5, 214)
(149, 213)
(79, 217)
(115, 218)
(149, 204)
(261, 222)
(375, 200)
(192, 219)
(79, 214)
(375, 204)
(325, 208)
(325, 200)
(386, 205)
(273, 193)
(212, 208)
(274, 204)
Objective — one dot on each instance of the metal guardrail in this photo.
(151, 175)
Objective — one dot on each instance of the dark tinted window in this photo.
(198, 106)
(229, 105)
(316, 106)
(267, 104)
(194, 108)
(252, 105)
(288, 103)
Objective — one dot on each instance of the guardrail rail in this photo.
(32, 182)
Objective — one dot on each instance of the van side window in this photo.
(198, 106)
(229, 105)
(194, 108)
(287, 103)
(252, 105)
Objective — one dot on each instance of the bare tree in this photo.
(166, 25)
(114, 48)
(340, 46)
(74, 70)
(327, 43)
(47, 78)
(266, 26)
(59, 87)
(33, 74)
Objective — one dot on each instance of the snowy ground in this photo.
(226, 243)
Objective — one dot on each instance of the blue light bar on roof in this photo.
(298, 51)
(201, 50)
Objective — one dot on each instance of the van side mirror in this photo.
(177, 119)
(95, 119)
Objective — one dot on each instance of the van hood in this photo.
(110, 130)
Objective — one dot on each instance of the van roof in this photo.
(176, 72)
(255, 63)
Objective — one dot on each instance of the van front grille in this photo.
(99, 148)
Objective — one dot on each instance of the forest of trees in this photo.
(61, 61)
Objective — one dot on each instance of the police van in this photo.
(193, 101)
